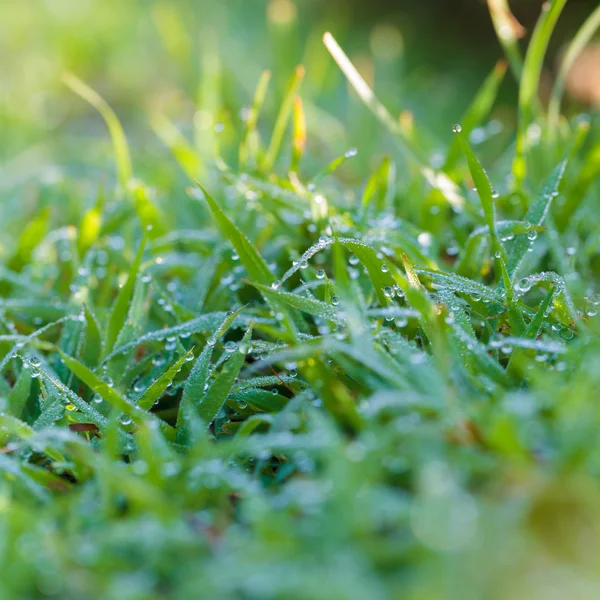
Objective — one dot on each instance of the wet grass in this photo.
(275, 383)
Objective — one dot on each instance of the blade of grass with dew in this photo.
(19, 394)
(282, 120)
(123, 158)
(333, 166)
(255, 265)
(462, 285)
(535, 215)
(377, 269)
(158, 388)
(201, 324)
(108, 393)
(195, 385)
(484, 190)
(118, 314)
(52, 408)
(69, 396)
(214, 397)
(93, 339)
(515, 317)
(10, 426)
(305, 304)
(530, 82)
(578, 43)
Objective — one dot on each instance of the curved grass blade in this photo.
(103, 389)
(124, 168)
(158, 388)
(255, 265)
(305, 304)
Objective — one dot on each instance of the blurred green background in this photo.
(198, 62)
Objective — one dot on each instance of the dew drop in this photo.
(230, 347)
(125, 419)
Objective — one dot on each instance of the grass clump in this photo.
(269, 387)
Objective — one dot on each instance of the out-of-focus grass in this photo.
(268, 332)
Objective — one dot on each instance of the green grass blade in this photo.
(308, 305)
(195, 385)
(282, 120)
(90, 225)
(102, 388)
(19, 394)
(124, 168)
(578, 43)
(93, 339)
(216, 394)
(484, 190)
(530, 81)
(535, 215)
(255, 265)
(381, 187)
(182, 150)
(158, 388)
(118, 315)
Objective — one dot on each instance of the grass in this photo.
(273, 382)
